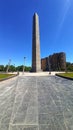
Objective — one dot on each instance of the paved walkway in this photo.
(40, 73)
(36, 103)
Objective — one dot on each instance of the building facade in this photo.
(55, 62)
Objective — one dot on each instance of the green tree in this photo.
(19, 68)
(12, 68)
(27, 68)
(69, 66)
(1, 67)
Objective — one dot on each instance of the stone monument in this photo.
(36, 60)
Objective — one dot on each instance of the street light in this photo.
(24, 65)
(8, 66)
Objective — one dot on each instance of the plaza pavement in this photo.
(36, 102)
(40, 73)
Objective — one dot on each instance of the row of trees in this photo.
(12, 68)
(69, 66)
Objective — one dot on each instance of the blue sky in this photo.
(56, 29)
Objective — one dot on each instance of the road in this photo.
(36, 103)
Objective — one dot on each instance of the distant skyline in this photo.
(56, 29)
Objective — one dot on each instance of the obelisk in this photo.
(36, 61)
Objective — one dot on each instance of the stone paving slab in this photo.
(36, 103)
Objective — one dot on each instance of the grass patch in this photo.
(3, 76)
(68, 75)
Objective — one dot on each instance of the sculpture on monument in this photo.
(36, 60)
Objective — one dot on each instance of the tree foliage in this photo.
(69, 66)
(12, 68)
(20, 68)
(1, 67)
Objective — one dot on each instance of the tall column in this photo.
(36, 61)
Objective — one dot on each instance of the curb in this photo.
(64, 77)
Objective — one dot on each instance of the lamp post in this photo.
(8, 66)
(24, 65)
